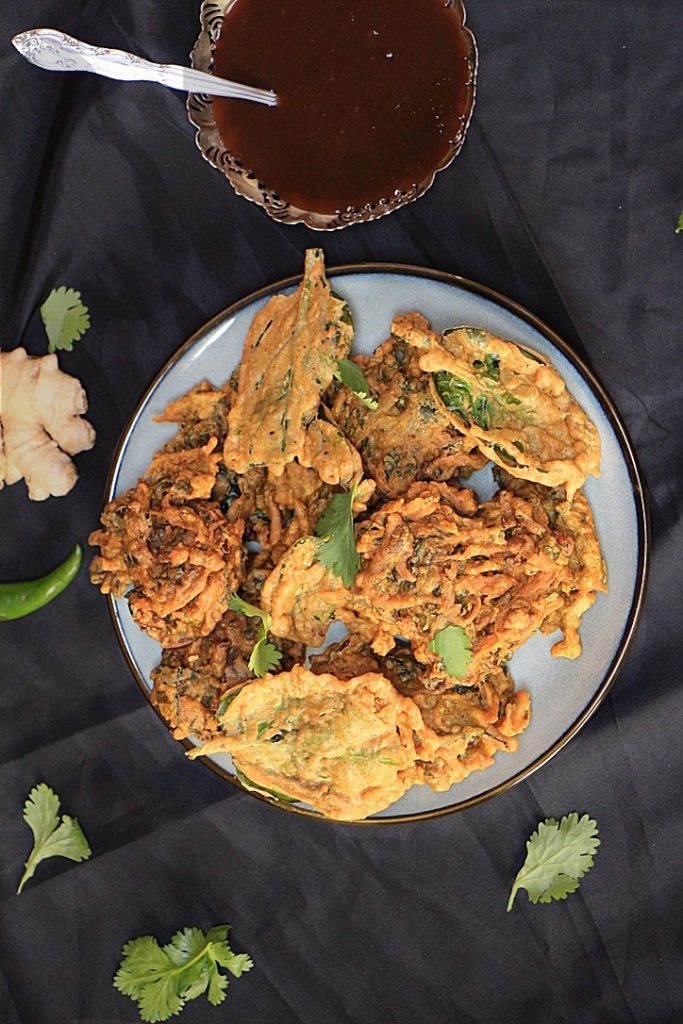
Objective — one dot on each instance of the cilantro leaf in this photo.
(65, 318)
(338, 551)
(454, 647)
(238, 604)
(264, 656)
(558, 855)
(161, 980)
(679, 223)
(51, 838)
(351, 375)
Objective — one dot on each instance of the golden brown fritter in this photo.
(301, 595)
(352, 656)
(414, 551)
(201, 413)
(576, 545)
(183, 475)
(408, 437)
(334, 457)
(509, 401)
(348, 748)
(191, 680)
(181, 561)
(470, 722)
(289, 358)
(498, 572)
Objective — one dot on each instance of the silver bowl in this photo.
(247, 184)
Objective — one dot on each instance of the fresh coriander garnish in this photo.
(558, 854)
(679, 223)
(51, 837)
(162, 979)
(351, 375)
(65, 318)
(454, 647)
(338, 551)
(264, 656)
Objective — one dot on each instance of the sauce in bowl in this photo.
(372, 95)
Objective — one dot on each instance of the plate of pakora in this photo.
(374, 543)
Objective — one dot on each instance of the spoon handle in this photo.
(55, 51)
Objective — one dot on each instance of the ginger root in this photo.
(41, 415)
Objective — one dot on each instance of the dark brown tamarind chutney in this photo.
(371, 95)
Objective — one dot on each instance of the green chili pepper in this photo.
(19, 599)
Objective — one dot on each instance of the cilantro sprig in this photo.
(351, 375)
(51, 837)
(679, 223)
(454, 647)
(162, 979)
(338, 551)
(264, 656)
(65, 318)
(558, 855)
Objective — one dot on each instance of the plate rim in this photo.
(642, 513)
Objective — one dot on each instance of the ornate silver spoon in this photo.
(54, 51)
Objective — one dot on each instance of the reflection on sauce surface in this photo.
(371, 94)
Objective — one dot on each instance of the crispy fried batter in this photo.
(278, 510)
(334, 457)
(185, 474)
(181, 561)
(499, 572)
(408, 437)
(352, 656)
(289, 358)
(574, 536)
(302, 596)
(201, 414)
(413, 553)
(191, 680)
(348, 748)
(511, 402)
(430, 559)
(470, 722)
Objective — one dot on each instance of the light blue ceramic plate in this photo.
(564, 693)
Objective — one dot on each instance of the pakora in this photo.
(289, 359)
(348, 748)
(177, 564)
(201, 414)
(407, 437)
(509, 401)
(471, 723)
(191, 680)
(278, 510)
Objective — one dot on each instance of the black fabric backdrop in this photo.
(564, 198)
